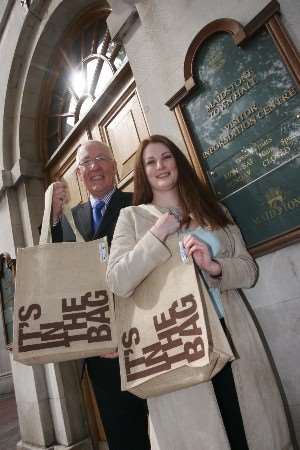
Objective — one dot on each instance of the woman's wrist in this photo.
(215, 270)
(159, 234)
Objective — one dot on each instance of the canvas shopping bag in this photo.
(63, 309)
(170, 336)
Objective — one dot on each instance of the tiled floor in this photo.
(9, 428)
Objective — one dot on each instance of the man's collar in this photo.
(106, 198)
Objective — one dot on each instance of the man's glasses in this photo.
(97, 159)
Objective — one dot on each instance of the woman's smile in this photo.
(160, 167)
(163, 175)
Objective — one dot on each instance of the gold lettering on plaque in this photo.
(237, 120)
(247, 119)
(278, 205)
(230, 94)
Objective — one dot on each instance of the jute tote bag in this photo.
(63, 309)
(170, 336)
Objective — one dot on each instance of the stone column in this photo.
(50, 408)
(49, 401)
(35, 419)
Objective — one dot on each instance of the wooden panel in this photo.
(124, 140)
(93, 415)
(77, 190)
(65, 168)
(117, 119)
(57, 167)
(128, 187)
(124, 130)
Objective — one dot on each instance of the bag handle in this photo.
(46, 224)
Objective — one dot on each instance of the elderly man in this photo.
(124, 416)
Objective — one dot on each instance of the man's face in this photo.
(98, 175)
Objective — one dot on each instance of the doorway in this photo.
(117, 119)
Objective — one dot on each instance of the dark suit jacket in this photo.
(82, 214)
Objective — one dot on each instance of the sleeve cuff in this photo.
(55, 222)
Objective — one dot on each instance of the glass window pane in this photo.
(90, 69)
(77, 80)
(86, 105)
(53, 138)
(74, 68)
(66, 125)
(120, 58)
(105, 76)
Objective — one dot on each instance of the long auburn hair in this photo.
(194, 197)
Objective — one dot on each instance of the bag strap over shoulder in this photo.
(46, 224)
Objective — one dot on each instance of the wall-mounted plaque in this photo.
(243, 117)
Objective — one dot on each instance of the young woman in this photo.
(241, 407)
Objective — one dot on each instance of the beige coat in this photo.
(135, 252)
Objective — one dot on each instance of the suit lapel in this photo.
(83, 220)
(110, 216)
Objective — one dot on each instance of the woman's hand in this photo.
(60, 197)
(201, 255)
(166, 225)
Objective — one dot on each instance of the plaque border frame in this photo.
(268, 18)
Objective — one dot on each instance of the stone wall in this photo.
(156, 46)
(156, 37)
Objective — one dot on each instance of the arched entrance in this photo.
(48, 396)
(89, 94)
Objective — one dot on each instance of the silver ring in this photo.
(174, 213)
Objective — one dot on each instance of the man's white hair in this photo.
(89, 144)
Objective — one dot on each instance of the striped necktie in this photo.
(97, 214)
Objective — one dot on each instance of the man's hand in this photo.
(60, 197)
(109, 355)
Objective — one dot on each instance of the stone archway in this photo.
(48, 397)
(23, 175)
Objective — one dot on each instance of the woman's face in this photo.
(160, 167)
